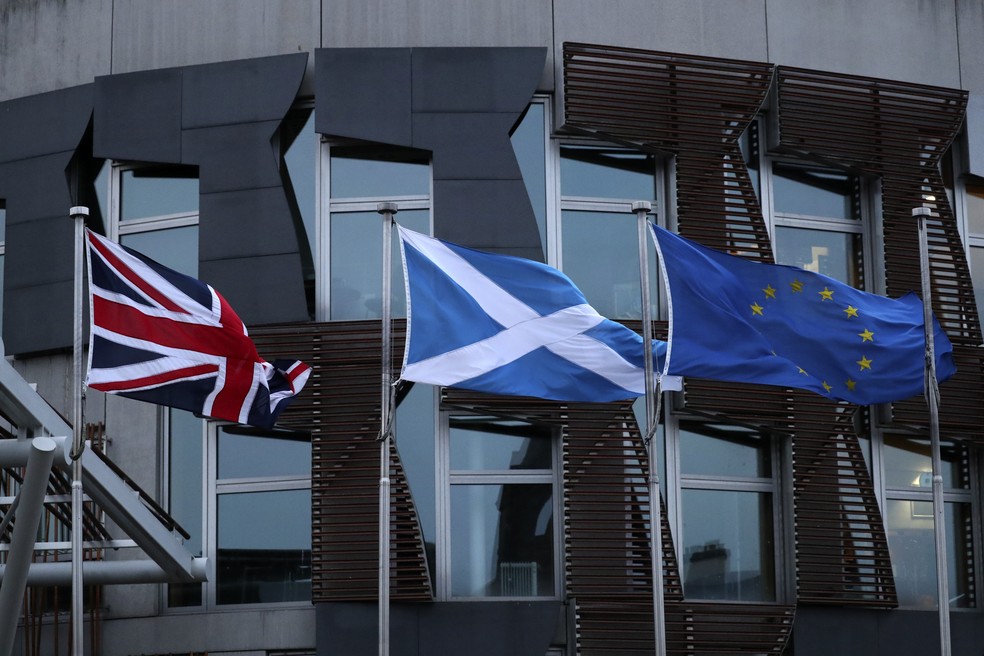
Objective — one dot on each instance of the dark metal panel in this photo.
(234, 157)
(243, 91)
(138, 116)
(364, 93)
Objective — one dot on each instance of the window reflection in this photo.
(728, 548)
(255, 456)
(496, 445)
(600, 254)
(720, 450)
(834, 254)
(975, 208)
(158, 191)
(529, 144)
(502, 540)
(185, 457)
(806, 190)
(300, 159)
(908, 464)
(591, 171)
(977, 273)
(371, 172)
(356, 263)
(175, 248)
(264, 547)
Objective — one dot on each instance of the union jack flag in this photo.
(163, 337)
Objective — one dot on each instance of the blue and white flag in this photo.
(505, 325)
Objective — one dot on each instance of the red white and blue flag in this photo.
(163, 337)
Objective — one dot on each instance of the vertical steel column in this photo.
(385, 419)
(642, 209)
(932, 398)
(78, 215)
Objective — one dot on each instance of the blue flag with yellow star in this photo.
(748, 322)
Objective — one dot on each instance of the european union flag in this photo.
(748, 322)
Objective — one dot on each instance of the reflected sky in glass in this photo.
(728, 550)
(186, 442)
(476, 449)
(356, 263)
(831, 253)
(729, 451)
(254, 456)
(528, 141)
(911, 543)
(590, 171)
(175, 248)
(3, 222)
(975, 208)
(415, 439)
(278, 520)
(908, 463)
(977, 271)
(801, 190)
(301, 159)
(496, 529)
(360, 172)
(144, 195)
(601, 256)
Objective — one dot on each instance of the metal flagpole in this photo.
(78, 215)
(387, 210)
(653, 394)
(932, 398)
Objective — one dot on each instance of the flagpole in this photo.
(78, 214)
(387, 210)
(653, 394)
(932, 398)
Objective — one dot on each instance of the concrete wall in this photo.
(52, 44)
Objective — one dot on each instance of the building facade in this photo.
(248, 143)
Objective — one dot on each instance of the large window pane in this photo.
(415, 439)
(175, 248)
(590, 171)
(186, 448)
(601, 256)
(496, 445)
(834, 254)
(908, 464)
(158, 191)
(977, 273)
(719, 450)
(367, 172)
(300, 158)
(799, 189)
(264, 547)
(975, 209)
(356, 263)
(529, 144)
(502, 540)
(257, 456)
(728, 545)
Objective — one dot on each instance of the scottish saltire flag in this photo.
(737, 320)
(506, 325)
(166, 338)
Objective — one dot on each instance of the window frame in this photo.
(446, 478)
(327, 206)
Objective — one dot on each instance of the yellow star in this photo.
(851, 311)
(851, 384)
(770, 291)
(801, 370)
(826, 294)
(796, 285)
(827, 387)
(865, 363)
(867, 336)
(756, 309)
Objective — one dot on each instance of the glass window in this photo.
(358, 178)
(186, 451)
(599, 232)
(154, 210)
(817, 216)
(501, 489)
(908, 487)
(262, 527)
(3, 239)
(974, 202)
(529, 142)
(727, 509)
(301, 160)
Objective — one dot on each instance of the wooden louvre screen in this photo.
(340, 407)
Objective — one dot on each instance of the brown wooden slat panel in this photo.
(340, 406)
